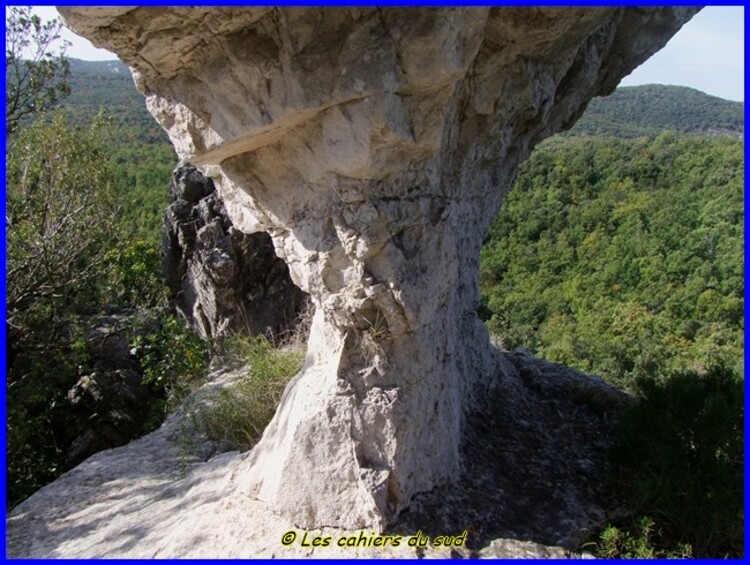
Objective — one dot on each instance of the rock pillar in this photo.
(374, 146)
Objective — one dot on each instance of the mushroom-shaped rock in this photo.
(374, 146)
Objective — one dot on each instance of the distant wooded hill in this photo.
(637, 111)
(634, 111)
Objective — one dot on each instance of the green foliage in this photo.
(60, 230)
(108, 86)
(679, 460)
(141, 156)
(637, 111)
(83, 216)
(173, 358)
(60, 217)
(141, 174)
(36, 73)
(238, 415)
(136, 277)
(620, 257)
(42, 365)
(640, 541)
(624, 258)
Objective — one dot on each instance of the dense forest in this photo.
(109, 85)
(622, 257)
(141, 157)
(618, 251)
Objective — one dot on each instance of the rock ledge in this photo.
(530, 486)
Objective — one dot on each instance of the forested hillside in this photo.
(109, 85)
(622, 257)
(630, 111)
(619, 251)
(635, 111)
(141, 155)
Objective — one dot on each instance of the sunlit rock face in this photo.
(374, 146)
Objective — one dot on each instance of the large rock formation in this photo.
(374, 146)
(223, 281)
(530, 486)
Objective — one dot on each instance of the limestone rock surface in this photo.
(374, 146)
(223, 281)
(530, 486)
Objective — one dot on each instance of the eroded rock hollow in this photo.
(374, 146)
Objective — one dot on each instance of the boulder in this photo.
(109, 405)
(374, 146)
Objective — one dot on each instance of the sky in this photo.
(708, 53)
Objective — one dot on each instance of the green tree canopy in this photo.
(36, 69)
(60, 215)
(622, 257)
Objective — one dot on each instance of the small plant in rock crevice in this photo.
(374, 337)
(636, 542)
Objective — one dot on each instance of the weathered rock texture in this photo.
(374, 146)
(222, 280)
(109, 405)
(530, 486)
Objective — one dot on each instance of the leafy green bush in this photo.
(136, 277)
(71, 206)
(37, 411)
(173, 359)
(60, 219)
(237, 415)
(679, 460)
(638, 542)
(36, 68)
(60, 225)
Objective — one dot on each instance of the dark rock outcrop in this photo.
(110, 405)
(220, 279)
